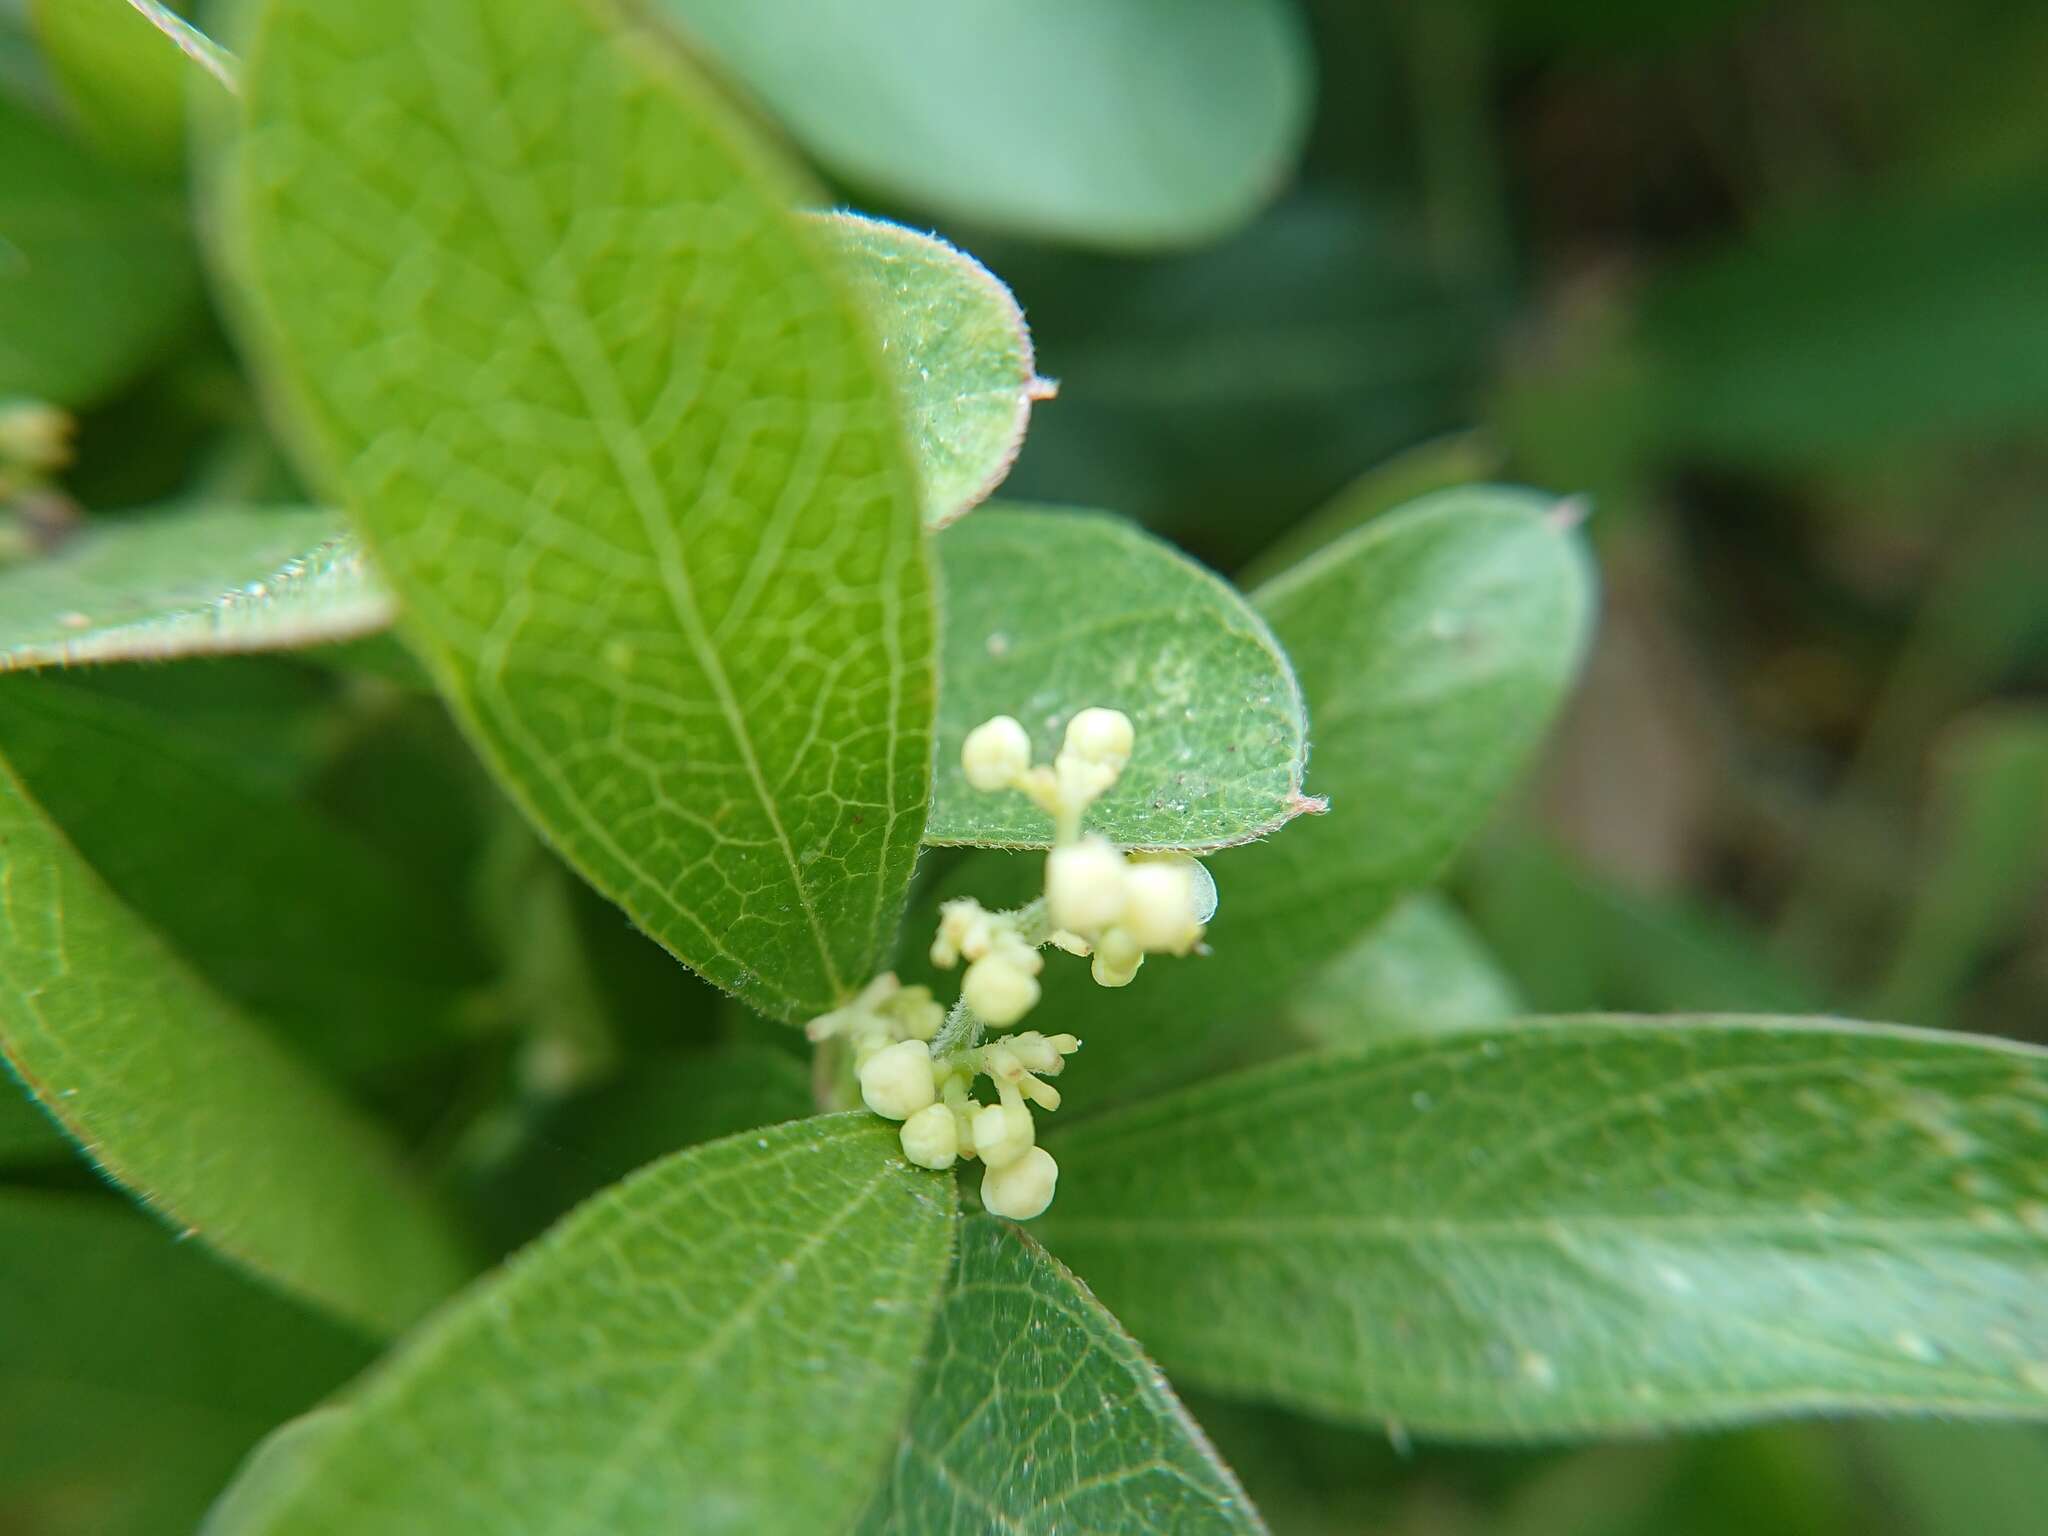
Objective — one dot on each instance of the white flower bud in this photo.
(1117, 959)
(999, 989)
(1023, 1189)
(1163, 911)
(1003, 1133)
(896, 1082)
(1084, 885)
(916, 1012)
(1101, 736)
(930, 1137)
(996, 754)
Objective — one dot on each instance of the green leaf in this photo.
(1433, 646)
(1049, 612)
(122, 84)
(95, 277)
(1037, 1412)
(1441, 464)
(204, 580)
(578, 1145)
(633, 469)
(189, 581)
(956, 342)
(1125, 123)
(1421, 970)
(952, 337)
(135, 1371)
(725, 1342)
(191, 1107)
(298, 963)
(1587, 1225)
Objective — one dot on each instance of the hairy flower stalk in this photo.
(918, 1062)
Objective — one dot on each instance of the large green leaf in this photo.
(1115, 122)
(725, 1342)
(188, 1105)
(135, 1371)
(1421, 969)
(1588, 1224)
(953, 338)
(1433, 647)
(1049, 612)
(295, 919)
(95, 276)
(1037, 1412)
(623, 449)
(185, 581)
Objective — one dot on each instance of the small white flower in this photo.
(1084, 885)
(1117, 958)
(896, 1081)
(1164, 910)
(996, 754)
(1000, 989)
(1003, 1133)
(931, 1137)
(1103, 737)
(965, 928)
(1022, 1189)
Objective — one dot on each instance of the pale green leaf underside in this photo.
(624, 451)
(1433, 647)
(1116, 122)
(113, 1374)
(185, 581)
(956, 344)
(95, 277)
(1588, 1225)
(1038, 1414)
(193, 1108)
(661, 1361)
(1049, 612)
(1420, 970)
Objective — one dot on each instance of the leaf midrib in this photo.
(583, 359)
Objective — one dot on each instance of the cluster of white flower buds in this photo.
(918, 1066)
(891, 1029)
(1001, 984)
(1100, 902)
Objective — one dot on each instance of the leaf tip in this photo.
(1568, 513)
